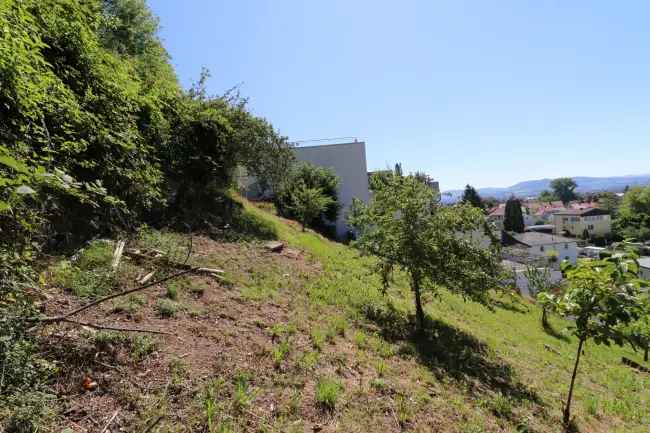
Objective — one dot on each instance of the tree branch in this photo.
(116, 328)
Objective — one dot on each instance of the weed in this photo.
(29, 411)
(317, 338)
(501, 406)
(171, 291)
(242, 395)
(105, 338)
(308, 360)
(361, 340)
(382, 347)
(141, 346)
(328, 391)
(88, 274)
(381, 367)
(167, 308)
(403, 410)
(378, 384)
(336, 326)
(283, 329)
(178, 372)
(591, 406)
(281, 352)
(198, 289)
(130, 304)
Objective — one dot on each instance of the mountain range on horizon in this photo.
(532, 188)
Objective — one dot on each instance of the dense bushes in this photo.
(633, 219)
(304, 175)
(97, 136)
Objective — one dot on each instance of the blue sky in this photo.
(482, 92)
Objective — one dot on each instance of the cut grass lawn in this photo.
(305, 342)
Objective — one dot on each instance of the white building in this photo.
(644, 268)
(545, 245)
(348, 161)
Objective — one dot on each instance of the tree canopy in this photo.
(564, 189)
(471, 197)
(514, 218)
(406, 227)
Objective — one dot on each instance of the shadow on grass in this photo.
(550, 330)
(450, 352)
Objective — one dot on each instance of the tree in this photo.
(303, 174)
(633, 220)
(547, 196)
(309, 203)
(514, 218)
(406, 227)
(471, 197)
(602, 299)
(540, 284)
(398, 169)
(564, 189)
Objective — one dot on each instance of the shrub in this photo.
(317, 338)
(167, 308)
(142, 346)
(308, 176)
(328, 391)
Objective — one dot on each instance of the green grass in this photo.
(167, 308)
(328, 392)
(503, 351)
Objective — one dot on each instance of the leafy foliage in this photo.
(633, 219)
(302, 183)
(406, 227)
(603, 298)
(470, 196)
(564, 189)
(309, 203)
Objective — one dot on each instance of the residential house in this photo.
(577, 222)
(543, 245)
(644, 268)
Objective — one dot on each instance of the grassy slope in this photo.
(304, 341)
(498, 369)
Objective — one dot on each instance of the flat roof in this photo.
(537, 238)
(644, 262)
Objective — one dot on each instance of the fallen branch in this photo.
(65, 316)
(110, 421)
(116, 328)
(152, 425)
(117, 254)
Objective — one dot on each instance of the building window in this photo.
(590, 227)
(541, 248)
(566, 246)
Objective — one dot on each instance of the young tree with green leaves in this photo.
(602, 299)
(309, 203)
(539, 281)
(406, 227)
(564, 188)
(514, 218)
(471, 197)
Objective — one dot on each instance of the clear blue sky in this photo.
(482, 92)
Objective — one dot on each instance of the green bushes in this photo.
(89, 274)
(310, 177)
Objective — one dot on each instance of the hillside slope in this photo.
(303, 341)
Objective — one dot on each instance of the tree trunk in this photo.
(645, 354)
(419, 312)
(567, 408)
(544, 318)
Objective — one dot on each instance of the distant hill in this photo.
(532, 188)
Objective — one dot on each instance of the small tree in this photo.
(405, 226)
(514, 218)
(547, 196)
(301, 175)
(540, 285)
(564, 189)
(602, 299)
(639, 330)
(308, 204)
(471, 196)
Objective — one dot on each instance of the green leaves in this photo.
(406, 227)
